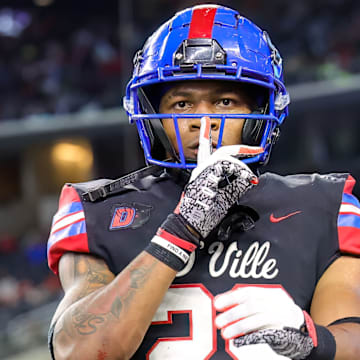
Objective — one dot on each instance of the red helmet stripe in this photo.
(202, 22)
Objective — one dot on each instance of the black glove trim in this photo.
(175, 224)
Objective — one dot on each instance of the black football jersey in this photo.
(284, 232)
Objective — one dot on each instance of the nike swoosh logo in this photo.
(274, 219)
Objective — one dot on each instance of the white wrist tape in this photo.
(167, 245)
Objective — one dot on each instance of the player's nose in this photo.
(204, 107)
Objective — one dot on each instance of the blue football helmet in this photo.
(206, 42)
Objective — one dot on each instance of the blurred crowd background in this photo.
(68, 57)
(63, 68)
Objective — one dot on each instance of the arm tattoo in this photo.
(138, 277)
(90, 315)
(94, 272)
(116, 307)
(86, 324)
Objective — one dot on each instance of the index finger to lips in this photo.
(205, 142)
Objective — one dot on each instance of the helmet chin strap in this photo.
(191, 160)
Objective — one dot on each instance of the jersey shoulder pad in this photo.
(349, 220)
(68, 229)
(306, 179)
(327, 186)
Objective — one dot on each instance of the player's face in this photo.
(204, 97)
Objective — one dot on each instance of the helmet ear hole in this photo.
(253, 130)
(157, 147)
(159, 142)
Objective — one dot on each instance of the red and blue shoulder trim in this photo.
(68, 230)
(349, 220)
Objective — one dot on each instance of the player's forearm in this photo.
(113, 320)
(347, 341)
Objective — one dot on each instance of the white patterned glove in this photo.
(258, 315)
(216, 184)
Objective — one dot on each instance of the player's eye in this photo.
(181, 105)
(225, 102)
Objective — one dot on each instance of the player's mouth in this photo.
(191, 149)
(195, 144)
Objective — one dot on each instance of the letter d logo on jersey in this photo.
(125, 216)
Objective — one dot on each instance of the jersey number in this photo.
(196, 301)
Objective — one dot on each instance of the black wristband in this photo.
(165, 256)
(173, 242)
(326, 347)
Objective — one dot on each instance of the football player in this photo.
(198, 256)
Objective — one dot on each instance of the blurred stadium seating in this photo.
(63, 67)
